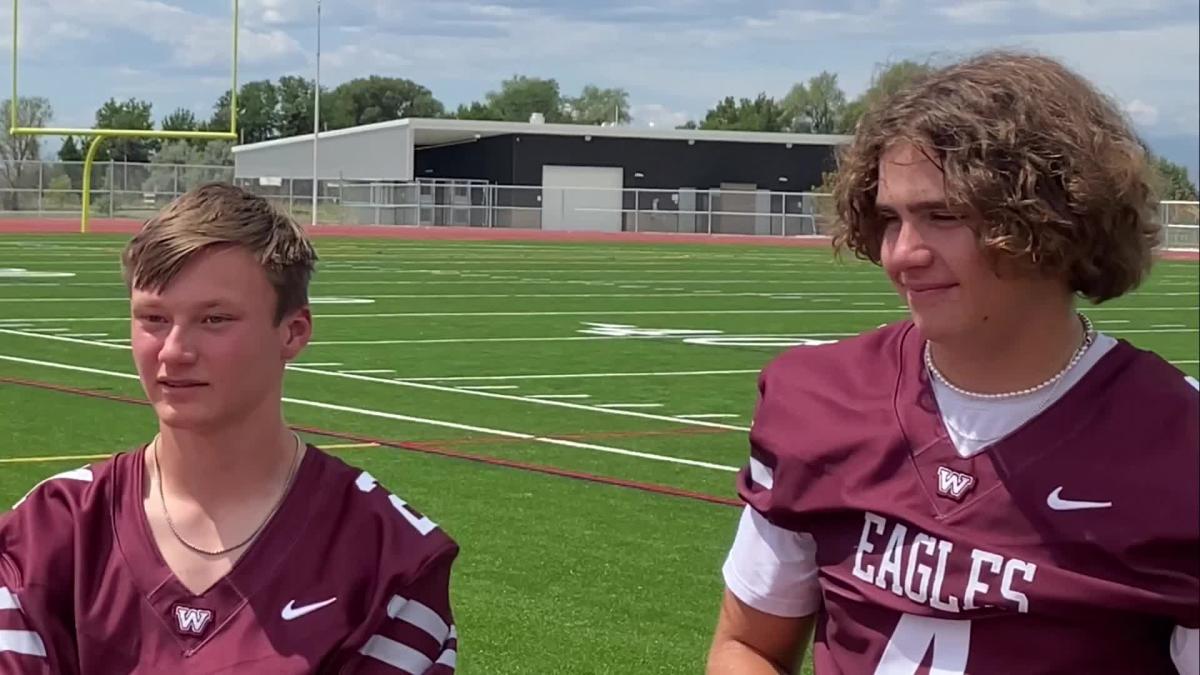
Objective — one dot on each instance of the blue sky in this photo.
(676, 57)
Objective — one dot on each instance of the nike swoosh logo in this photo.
(291, 611)
(1056, 502)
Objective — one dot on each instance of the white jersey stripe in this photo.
(84, 475)
(453, 633)
(396, 655)
(8, 600)
(419, 615)
(22, 642)
(762, 474)
(448, 658)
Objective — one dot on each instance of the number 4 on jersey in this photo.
(951, 640)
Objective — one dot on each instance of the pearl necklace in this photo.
(1089, 336)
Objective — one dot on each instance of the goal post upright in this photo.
(98, 135)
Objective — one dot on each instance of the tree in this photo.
(815, 108)
(474, 111)
(1172, 181)
(17, 153)
(181, 119)
(595, 106)
(521, 96)
(295, 116)
(72, 152)
(761, 114)
(129, 114)
(206, 162)
(380, 99)
(888, 79)
(258, 117)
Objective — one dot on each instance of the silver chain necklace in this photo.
(171, 523)
(1089, 336)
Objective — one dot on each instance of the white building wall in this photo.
(384, 154)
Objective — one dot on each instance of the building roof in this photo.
(432, 132)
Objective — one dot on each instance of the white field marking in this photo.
(369, 371)
(867, 304)
(349, 446)
(61, 338)
(437, 341)
(1106, 322)
(53, 458)
(437, 282)
(1186, 363)
(555, 397)
(707, 416)
(629, 405)
(85, 335)
(489, 387)
(507, 397)
(367, 297)
(502, 275)
(598, 312)
(321, 364)
(416, 420)
(568, 376)
(1168, 325)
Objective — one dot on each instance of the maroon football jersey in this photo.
(1070, 546)
(346, 578)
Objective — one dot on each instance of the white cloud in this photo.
(1096, 9)
(657, 115)
(1142, 113)
(977, 11)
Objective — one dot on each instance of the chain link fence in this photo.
(119, 189)
(135, 190)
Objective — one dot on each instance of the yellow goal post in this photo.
(98, 135)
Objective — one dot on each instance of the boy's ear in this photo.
(297, 327)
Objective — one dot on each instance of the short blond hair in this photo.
(1048, 162)
(218, 215)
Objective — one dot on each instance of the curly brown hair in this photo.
(1048, 164)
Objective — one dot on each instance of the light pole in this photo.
(316, 119)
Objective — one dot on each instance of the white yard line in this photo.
(708, 416)
(555, 397)
(417, 420)
(567, 376)
(629, 405)
(602, 313)
(369, 371)
(434, 387)
(63, 338)
(489, 387)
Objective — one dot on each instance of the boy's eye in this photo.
(944, 216)
(216, 319)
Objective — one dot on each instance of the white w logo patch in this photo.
(192, 621)
(953, 484)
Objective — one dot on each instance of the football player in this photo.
(225, 544)
(993, 485)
